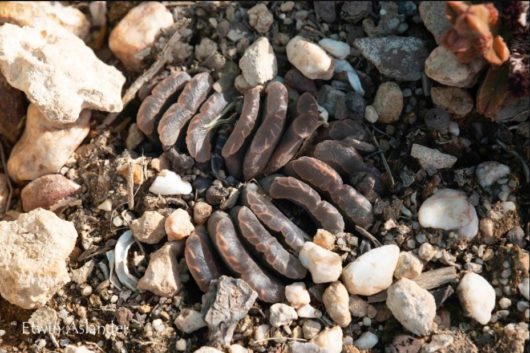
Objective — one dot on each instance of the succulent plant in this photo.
(474, 33)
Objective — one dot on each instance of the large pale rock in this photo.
(413, 306)
(310, 59)
(371, 272)
(45, 146)
(325, 266)
(58, 72)
(388, 102)
(449, 209)
(258, 64)
(45, 13)
(477, 297)
(444, 67)
(137, 31)
(47, 191)
(162, 275)
(33, 257)
(150, 228)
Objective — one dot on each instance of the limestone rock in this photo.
(42, 13)
(12, 110)
(400, 58)
(371, 272)
(336, 302)
(477, 297)
(430, 158)
(162, 275)
(58, 72)
(489, 172)
(47, 191)
(413, 306)
(454, 100)
(325, 266)
(178, 225)
(310, 59)
(408, 266)
(149, 228)
(189, 321)
(388, 102)
(33, 257)
(297, 295)
(137, 32)
(45, 146)
(282, 314)
(258, 64)
(330, 340)
(260, 18)
(433, 15)
(444, 67)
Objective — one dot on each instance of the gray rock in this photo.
(430, 158)
(400, 58)
(444, 67)
(354, 11)
(433, 15)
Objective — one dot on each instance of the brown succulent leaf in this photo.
(302, 127)
(269, 133)
(200, 129)
(498, 53)
(303, 195)
(341, 157)
(151, 107)
(493, 93)
(176, 117)
(202, 262)
(268, 247)
(354, 205)
(224, 236)
(272, 217)
(341, 129)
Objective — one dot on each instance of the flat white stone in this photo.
(169, 183)
(338, 49)
(367, 340)
(310, 59)
(430, 158)
(297, 294)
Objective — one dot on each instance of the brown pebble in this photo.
(47, 191)
(201, 212)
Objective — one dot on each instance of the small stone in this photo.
(325, 10)
(355, 11)
(236, 348)
(406, 344)
(449, 209)
(42, 13)
(426, 252)
(325, 266)
(189, 321)
(505, 303)
(330, 98)
(297, 294)
(149, 228)
(137, 32)
(324, 239)
(388, 102)
(201, 212)
(371, 272)
(489, 172)
(311, 328)
(260, 18)
(169, 183)
(370, 114)
(438, 343)
(207, 350)
(413, 306)
(444, 67)
(308, 312)
(282, 314)
(399, 58)
(310, 59)
(431, 13)
(12, 110)
(337, 49)
(32, 60)
(287, 6)
(330, 340)
(205, 49)
(487, 228)
(241, 84)
(49, 143)
(408, 266)
(477, 297)
(47, 191)
(524, 288)
(432, 159)
(356, 104)
(368, 340)
(178, 225)
(258, 64)
(75, 349)
(358, 306)
(33, 257)
(162, 276)
(455, 100)
(336, 302)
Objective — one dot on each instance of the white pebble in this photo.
(477, 297)
(297, 294)
(336, 302)
(178, 225)
(426, 252)
(325, 266)
(366, 341)
(408, 266)
(338, 49)
(308, 312)
(189, 321)
(330, 339)
(310, 59)
(169, 183)
(505, 303)
(282, 314)
(371, 272)
(370, 114)
(489, 172)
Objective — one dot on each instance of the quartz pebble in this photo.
(258, 64)
(137, 32)
(338, 49)
(336, 302)
(325, 266)
(149, 228)
(371, 272)
(308, 312)
(206, 349)
(426, 252)
(178, 225)
(47, 191)
(310, 59)
(408, 266)
(449, 209)
(413, 306)
(311, 328)
(388, 102)
(330, 339)
(524, 288)
(370, 114)
(33, 256)
(260, 18)
(367, 340)
(169, 183)
(32, 60)
(430, 158)
(444, 67)
(324, 239)
(477, 297)
(48, 142)
(297, 294)
(489, 172)
(455, 100)
(189, 321)
(162, 276)
(282, 314)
